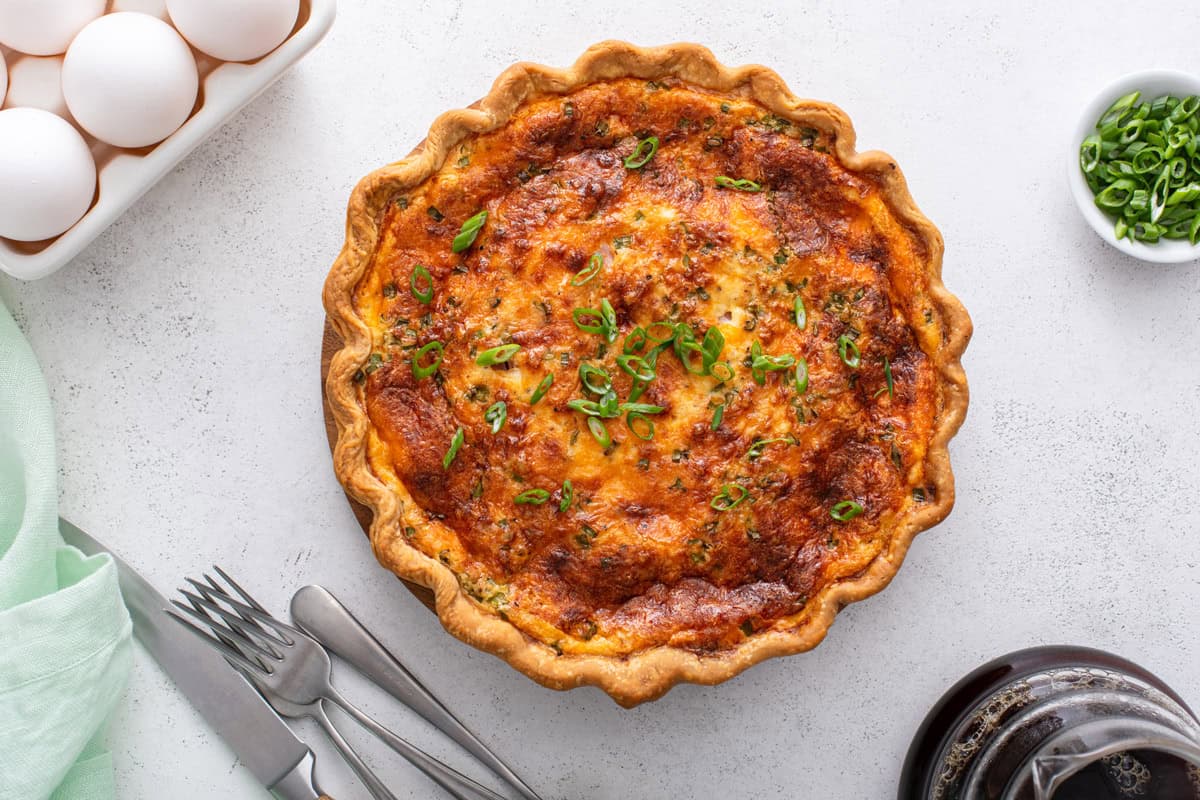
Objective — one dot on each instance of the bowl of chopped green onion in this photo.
(1135, 165)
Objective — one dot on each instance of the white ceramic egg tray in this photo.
(125, 175)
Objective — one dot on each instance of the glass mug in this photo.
(1056, 723)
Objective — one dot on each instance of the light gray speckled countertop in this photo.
(181, 352)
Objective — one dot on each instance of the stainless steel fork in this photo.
(293, 672)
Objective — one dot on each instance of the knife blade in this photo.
(230, 705)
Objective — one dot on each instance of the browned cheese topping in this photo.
(752, 472)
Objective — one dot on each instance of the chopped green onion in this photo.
(729, 497)
(568, 494)
(420, 370)
(605, 320)
(598, 431)
(497, 355)
(642, 408)
(636, 366)
(532, 497)
(541, 389)
(801, 377)
(713, 344)
(672, 332)
(589, 407)
(635, 341)
(645, 150)
(756, 449)
(887, 375)
(761, 363)
(470, 229)
(1089, 154)
(741, 184)
(595, 263)
(421, 275)
(640, 425)
(799, 312)
(496, 414)
(718, 415)
(608, 405)
(845, 511)
(595, 379)
(455, 443)
(1158, 195)
(721, 371)
(848, 351)
(1141, 163)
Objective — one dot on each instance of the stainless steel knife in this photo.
(230, 705)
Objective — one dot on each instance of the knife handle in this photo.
(298, 783)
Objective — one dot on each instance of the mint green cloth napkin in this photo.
(64, 633)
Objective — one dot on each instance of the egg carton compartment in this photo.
(124, 175)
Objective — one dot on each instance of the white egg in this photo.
(47, 175)
(3, 78)
(156, 8)
(234, 30)
(45, 27)
(36, 82)
(129, 79)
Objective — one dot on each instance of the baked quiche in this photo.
(645, 371)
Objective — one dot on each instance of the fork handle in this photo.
(454, 782)
(322, 616)
(368, 777)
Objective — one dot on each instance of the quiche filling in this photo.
(653, 366)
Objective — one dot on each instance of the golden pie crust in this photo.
(638, 577)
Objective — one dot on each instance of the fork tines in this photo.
(241, 629)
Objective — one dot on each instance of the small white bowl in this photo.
(1151, 83)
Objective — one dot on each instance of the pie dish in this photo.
(645, 371)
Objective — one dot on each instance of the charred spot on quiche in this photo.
(699, 361)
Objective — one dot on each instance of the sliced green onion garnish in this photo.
(640, 425)
(470, 229)
(605, 320)
(455, 443)
(741, 184)
(761, 363)
(887, 374)
(799, 312)
(421, 277)
(597, 429)
(589, 407)
(711, 347)
(668, 329)
(721, 371)
(610, 320)
(642, 154)
(568, 494)
(845, 510)
(848, 351)
(636, 366)
(801, 376)
(541, 389)
(756, 449)
(729, 497)
(642, 408)
(425, 370)
(635, 341)
(590, 271)
(595, 379)
(497, 355)
(718, 415)
(496, 414)
(532, 497)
